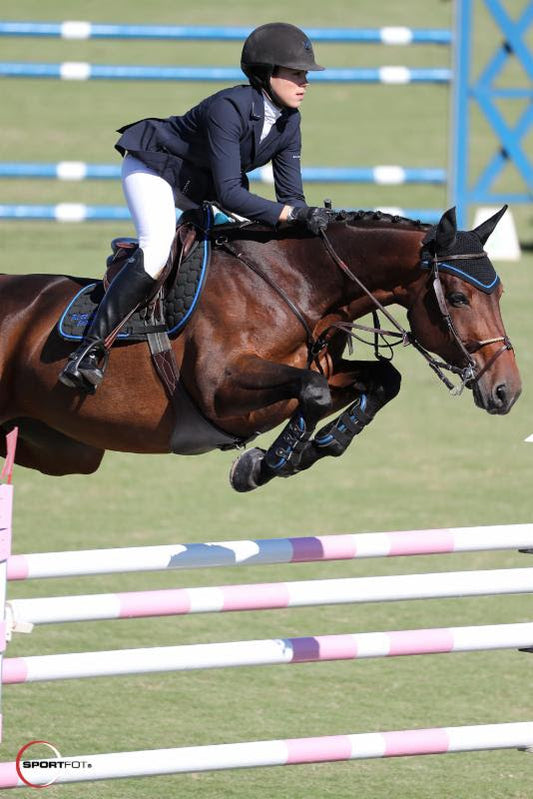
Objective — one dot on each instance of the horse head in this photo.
(455, 312)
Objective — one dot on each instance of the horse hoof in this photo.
(245, 474)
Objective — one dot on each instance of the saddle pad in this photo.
(179, 302)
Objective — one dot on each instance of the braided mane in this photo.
(372, 218)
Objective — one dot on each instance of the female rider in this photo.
(205, 154)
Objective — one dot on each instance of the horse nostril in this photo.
(501, 392)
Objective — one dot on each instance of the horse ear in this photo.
(485, 229)
(446, 232)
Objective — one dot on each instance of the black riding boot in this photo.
(130, 288)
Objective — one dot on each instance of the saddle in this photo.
(178, 291)
(165, 315)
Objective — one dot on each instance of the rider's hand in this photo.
(315, 218)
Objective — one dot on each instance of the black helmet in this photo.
(276, 44)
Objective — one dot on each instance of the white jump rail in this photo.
(269, 652)
(288, 752)
(270, 550)
(267, 596)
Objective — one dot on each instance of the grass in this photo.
(427, 461)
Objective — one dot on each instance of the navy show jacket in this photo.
(206, 153)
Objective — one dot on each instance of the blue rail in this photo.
(77, 212)
(91, 30)
(79, 170)
(74, 70)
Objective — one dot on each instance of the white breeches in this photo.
(152, 208)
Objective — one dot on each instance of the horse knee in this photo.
(388, 381)
(392, 380)
(315, 396)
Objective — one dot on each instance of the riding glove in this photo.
(315, 218)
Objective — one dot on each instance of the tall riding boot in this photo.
(129, 289)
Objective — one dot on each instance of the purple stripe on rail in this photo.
(331, 547)
(323, 647)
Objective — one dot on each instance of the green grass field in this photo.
(427, 461)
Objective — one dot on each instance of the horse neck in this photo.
(385, 259)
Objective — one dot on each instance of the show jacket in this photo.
(206, 153)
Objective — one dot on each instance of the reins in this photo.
(222, 241)
(468, 374)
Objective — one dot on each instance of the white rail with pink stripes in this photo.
(302, 549)
(289, 752)
(23, 613)
(268, 596)
(275, 651)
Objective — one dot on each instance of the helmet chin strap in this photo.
(266, 86)
(273, 96)
(260, 79)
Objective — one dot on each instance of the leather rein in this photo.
(468, 375)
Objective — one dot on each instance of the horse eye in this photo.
(456, 298)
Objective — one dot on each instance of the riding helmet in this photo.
(276, 44)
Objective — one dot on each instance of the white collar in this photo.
(272, 112)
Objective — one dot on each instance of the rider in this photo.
(205, 154)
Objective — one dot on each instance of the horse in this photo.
(266, 345)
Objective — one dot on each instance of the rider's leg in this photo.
(151, 205)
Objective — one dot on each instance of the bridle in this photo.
(468, 375)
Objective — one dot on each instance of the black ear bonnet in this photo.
(478, 271)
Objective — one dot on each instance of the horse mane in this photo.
(354, 218)
(364, 218)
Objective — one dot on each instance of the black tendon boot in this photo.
(129, 289)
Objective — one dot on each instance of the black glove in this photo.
(315, 218)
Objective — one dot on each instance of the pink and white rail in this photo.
(289, 752)
(276, 651)
(22, 613)
(268, 596)
(270, 550)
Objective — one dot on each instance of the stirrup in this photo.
(75, 375)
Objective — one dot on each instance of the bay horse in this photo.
(266, 344)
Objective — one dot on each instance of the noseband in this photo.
(469, 374)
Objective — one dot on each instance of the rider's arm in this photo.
(286, 166)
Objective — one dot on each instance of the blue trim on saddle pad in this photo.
(81, 320)
(205, 261)
(180, 305)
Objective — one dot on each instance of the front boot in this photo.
(129, 289)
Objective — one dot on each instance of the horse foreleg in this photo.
(373, 385)
(49, 451)
(277, 382)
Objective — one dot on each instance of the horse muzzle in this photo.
(496, 396)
